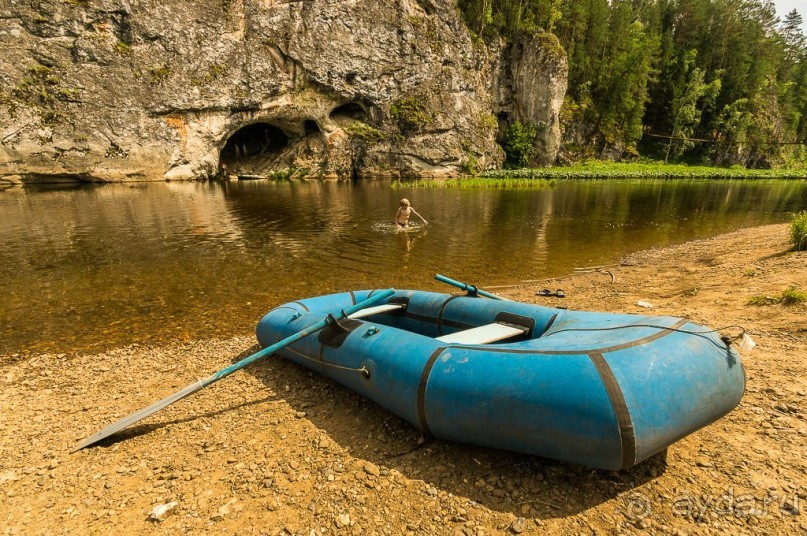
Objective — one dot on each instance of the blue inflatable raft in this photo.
(603, 390)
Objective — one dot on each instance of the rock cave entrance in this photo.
(350, 111)
(252, 146)
(311, 128)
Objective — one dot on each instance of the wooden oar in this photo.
(223, 373)
(472, 290)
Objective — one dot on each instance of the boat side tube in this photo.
(598, 389)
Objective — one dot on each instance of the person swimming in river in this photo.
(404, 211)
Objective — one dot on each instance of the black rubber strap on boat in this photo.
(627, 434)
(551, 321)
(424, 379)
(335, 334)
(433, 320)
(662, 332)
(440, 314)
(519, 321)
(399, 300)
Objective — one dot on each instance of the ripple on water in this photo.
(391, 228)
(104, 266)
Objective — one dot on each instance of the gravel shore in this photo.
(276, 449)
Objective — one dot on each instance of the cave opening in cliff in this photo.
(350, 110)
(311, 127)
(258, 140)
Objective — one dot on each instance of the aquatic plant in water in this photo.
(473, 183)
(643, 170)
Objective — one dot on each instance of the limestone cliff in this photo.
(530, 86)
(138, 90)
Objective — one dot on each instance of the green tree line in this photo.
(709, 81)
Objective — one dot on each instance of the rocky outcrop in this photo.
(530, 86)
(117, 90)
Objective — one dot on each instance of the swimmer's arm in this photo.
(419, 216)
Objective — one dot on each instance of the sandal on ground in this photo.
(559, 293)
(545, 292)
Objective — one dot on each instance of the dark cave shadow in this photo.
(524, 485)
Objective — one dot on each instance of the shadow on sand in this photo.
(500, 480)
(507, 482)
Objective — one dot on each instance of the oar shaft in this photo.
(269, 350)
(223, 373)
(471, 289)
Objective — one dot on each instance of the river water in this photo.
(87, 268)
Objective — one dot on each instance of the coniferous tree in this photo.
(726, 78)
(690, 94)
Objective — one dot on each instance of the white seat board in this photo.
(483, 334)
(377, 310)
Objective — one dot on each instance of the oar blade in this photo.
(223, 373)
(138, 415)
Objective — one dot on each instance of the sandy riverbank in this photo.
(277, 448)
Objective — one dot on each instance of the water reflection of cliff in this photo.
(333, 224)
(98, 266)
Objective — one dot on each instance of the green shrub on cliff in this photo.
(793, 295)
(364, 132)
(43, 91)
(490, 122)
(411, 115)
(122, 48)
(214, 72)
(160, 74)
(519, 144)
(470, 165)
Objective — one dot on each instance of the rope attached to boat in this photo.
(725, 338)
(364, 371)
